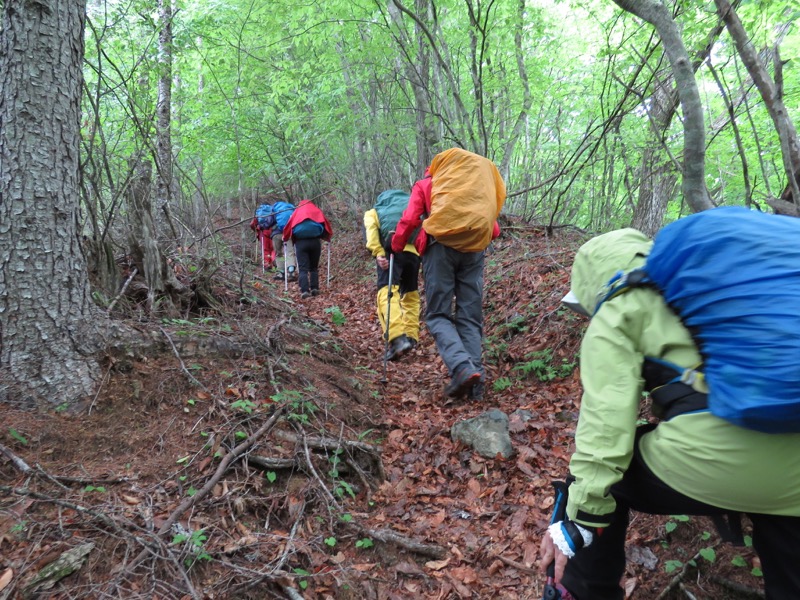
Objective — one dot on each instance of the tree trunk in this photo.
(164, 291)
(165, 183)
(790, 147)
(50, 329)
(694, 185)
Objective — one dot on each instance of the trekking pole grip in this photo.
(559, 513)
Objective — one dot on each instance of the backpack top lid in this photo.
(467, 195)
(266, 220)
(283, 212)
(733, 277)
(390, 206)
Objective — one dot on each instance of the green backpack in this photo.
(390, 206)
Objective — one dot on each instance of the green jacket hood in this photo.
(599, 259)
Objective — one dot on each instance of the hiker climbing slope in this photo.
(306, 229)
(457, 204)
(402, 333)
(285, 259)
(729, 436)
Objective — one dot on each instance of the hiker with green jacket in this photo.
(379, 224)
(692, 462)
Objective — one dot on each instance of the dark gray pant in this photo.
(458, 331)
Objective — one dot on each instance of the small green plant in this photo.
(243, 404)
(94, 488)
(364, 543)
(672, 525)
(342, 488)
(672, 565)
(738, 561)
(17, 436)
(501, 383)
(540, 364)
(19, 527)
(346, 517)
(303, 573)
(271, 476)
(330, 541)
(300, 408)
(709, 554)
(196, 540)
(336, 315)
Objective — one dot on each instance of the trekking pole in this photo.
(329, 263)
(285, 270)
(388, 317)
(262, 237)
(559, 512)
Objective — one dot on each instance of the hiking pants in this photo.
(308, 252)
(458, 332)
(278, 244)
(594, 573)
(405, 296)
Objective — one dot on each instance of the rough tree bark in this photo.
(693, 184)
(790, 147)
(50, 329)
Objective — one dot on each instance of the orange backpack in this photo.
(467, 194)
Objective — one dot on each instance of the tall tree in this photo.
(50, 328)
(772, 96)
(657, 14)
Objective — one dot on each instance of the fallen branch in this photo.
(224, 464)
(391, 537)
(738, 588)
(191, 377)
(122, 291)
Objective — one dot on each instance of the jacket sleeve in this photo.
(417, 207)
(372, 231)
(611, 367)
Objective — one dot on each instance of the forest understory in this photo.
(290, 469)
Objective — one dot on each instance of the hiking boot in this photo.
(304, 295)
(398, 346)
(414, 344)
(464, 379)
(476, 393)
(315, 292)
(278, 276)
(292, 274)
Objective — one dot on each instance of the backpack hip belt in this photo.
(672, 389)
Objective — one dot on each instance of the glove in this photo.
(569, 537)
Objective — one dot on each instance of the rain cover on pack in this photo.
(467, 194)
(733, 276)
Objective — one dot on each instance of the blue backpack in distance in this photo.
(283, 212)
(733, 277)
(266, 220)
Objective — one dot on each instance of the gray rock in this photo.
(487, 434)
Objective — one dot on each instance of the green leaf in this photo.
(709, 554)
(756, 572)
(271, 476)
(330, 541)
(672, 565)
(670, 526)
(738, 561)
(17, 436)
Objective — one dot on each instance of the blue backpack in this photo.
(266, 220)
(307, 229)
(733, 277)
(283, 212)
